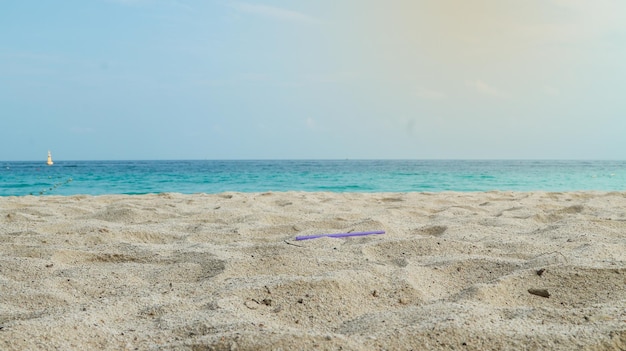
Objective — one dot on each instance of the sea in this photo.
(216, 176)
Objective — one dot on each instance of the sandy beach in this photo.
(454, 271)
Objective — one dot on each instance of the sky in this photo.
(323, 79)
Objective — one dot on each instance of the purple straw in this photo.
(338, 235)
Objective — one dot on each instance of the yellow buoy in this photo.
(50, 163)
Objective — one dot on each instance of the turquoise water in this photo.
(141, 177)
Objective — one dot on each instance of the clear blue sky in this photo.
(276, 79)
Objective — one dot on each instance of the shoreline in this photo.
(463, 270)
(288, 192)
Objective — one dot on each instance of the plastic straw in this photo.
(339, 235)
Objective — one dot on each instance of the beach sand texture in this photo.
(462, 271)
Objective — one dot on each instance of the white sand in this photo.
(220, 272)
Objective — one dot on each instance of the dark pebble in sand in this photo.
(539, 292)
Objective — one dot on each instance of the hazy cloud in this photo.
(577, 21)
(486, 89)
(172, 3)
(274, 12)
(129, 2)
(310, 123)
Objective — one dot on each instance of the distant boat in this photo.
(50, 163)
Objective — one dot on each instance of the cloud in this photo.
(485, 89)
(427, 94)
(575, 22)
(311, 124)
(173, 3)
(129, 2)
(274, 12)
